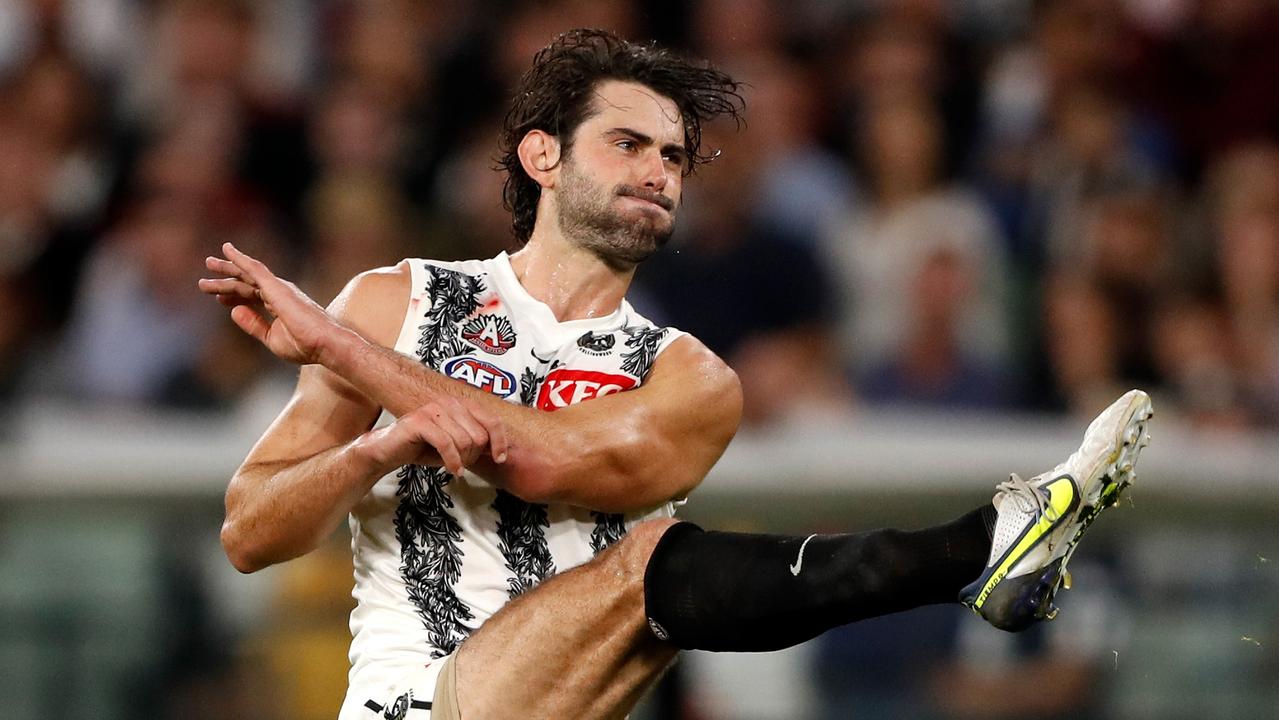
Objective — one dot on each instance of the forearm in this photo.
(612, 454)
(277, 511)
(543, 452)
(393, 380)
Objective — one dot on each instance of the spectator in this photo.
(135, 321)
(1194, 353)
(1243, 189)
(206, 62)
(1101, 297)
(96, 33)
(801, 186)
(932, 367)
(469, 220)
(357, 222)
(754, 294)
(53, 182)
(1057, 129)
(912, 212)
(1089, 151)
(1205, 74)
(227, 365)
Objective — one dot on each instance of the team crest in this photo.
(483, 375)
(491, 333)
(400, 708)
(593, 344)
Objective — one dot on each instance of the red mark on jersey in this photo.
(566, 387)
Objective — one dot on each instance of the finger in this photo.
(228, 286)
(251, 321)
(496, 431)
(444, 434)
(276, 292)
(253, 270)
(223, 267)
(469, 448)
(460, 413)
(436, 437)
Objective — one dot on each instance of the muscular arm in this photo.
(319, 458)
(302, 476)
(622, 452)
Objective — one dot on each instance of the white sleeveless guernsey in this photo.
(436, 555)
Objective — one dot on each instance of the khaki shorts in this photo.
(444, 705)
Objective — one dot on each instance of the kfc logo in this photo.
(481, 374)
(566, 387)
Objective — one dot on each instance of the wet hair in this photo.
(555, 96)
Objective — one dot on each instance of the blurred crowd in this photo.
(995, 204)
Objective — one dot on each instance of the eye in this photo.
(627, 145)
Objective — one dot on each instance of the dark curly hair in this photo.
(555, 96)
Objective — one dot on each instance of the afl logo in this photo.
(566, 387)
(491, 333)
(482, 375)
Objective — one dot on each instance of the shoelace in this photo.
(1020, 490)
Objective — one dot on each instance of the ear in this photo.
(539, 153)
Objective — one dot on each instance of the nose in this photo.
(655, 173)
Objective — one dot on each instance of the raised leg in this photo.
(585, 644)
(577, 646)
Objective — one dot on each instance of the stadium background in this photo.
(948, 233)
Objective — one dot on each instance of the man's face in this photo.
(619, 185)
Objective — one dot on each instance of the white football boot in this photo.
(1041, 520)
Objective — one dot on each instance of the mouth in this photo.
(647, 198)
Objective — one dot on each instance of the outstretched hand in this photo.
(273, 310)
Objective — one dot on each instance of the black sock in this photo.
(739, 592)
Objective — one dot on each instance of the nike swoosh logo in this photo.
(799, 561)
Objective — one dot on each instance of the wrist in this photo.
(366, 455)
(340, 350)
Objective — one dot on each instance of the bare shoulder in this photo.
(374, 302)
(699, 373)
(692, 355)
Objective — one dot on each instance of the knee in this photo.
(631, 554)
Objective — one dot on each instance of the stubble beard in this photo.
(589, 218)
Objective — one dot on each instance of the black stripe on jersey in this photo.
(609, 528)
(521, 526)
(431, 557)
(643, 341)
(521, 533)
(430, 552)
(454, 297)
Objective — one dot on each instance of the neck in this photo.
(573, 282)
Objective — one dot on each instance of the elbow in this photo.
(541, 474)
(238, 550)
(533, 483)
(603, 473)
